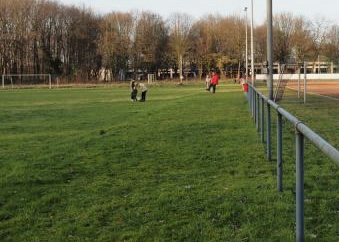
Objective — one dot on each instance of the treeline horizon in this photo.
(74, 43)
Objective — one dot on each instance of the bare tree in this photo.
(331, 45)
(233, 29)
(201, 44)
(43, 36)
(221, 42)
(319, 32)
(180, 26)
(301, 39)
(150, 41)
(284, 28)
(261, 46)
(72, 42)
(116, 42)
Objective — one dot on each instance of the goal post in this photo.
(150, 78)
(34, 77)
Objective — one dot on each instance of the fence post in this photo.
(257, 98)
(262, 120)
(252, 102)
(300, 187)
(268, 133)
(255, 107)
(299, 75)
(279, 154)
(250, 97)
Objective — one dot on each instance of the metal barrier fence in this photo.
(257, 102)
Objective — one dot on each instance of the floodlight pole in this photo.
(246, 51)
(270, 49)
(305, 81)
(252, 46)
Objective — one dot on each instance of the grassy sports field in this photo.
(90, 165)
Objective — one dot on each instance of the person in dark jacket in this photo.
(134, 91)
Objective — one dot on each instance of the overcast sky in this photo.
(312, 9)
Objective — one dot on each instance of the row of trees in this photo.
(75, 43)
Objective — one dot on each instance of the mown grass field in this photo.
(90, 165)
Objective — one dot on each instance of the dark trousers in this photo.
(143, 96)
(134, 94)
(214, 87)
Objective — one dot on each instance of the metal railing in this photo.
(257, 102)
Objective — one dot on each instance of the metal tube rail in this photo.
(319, 142)
(302, 131)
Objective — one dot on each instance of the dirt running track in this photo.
(324, 88)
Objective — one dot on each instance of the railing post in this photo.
(268, 133)
(279, 154)
(252, 105)
(253, 100)
(249, 95)
(300, 187)
(257, 110)
(262, 120)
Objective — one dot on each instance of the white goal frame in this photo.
(151, 78)
(27, 75)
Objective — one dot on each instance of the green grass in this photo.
(186, 165)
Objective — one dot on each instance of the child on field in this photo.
(134, 91)
(208, 82)
(214, 81)
(143, 92)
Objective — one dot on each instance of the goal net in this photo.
(26, 80)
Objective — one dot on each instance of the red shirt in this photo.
(215, 79)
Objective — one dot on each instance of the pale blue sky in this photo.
(312, 9)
